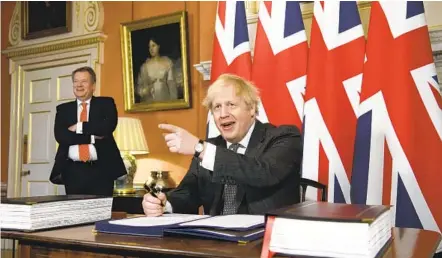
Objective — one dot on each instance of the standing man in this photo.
(250, 168)
(87, 160)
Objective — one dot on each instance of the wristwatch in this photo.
(199, 147)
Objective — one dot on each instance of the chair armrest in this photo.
(308, 182)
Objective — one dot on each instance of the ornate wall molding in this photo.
(438, 62)
(436, 46)
(204, 68)
(436, 39)
(77, 11)
(15, 25)
(55, 46)
(93, 16)
(87, 17)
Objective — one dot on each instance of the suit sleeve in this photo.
(62, 134)
(185, 198)
(282, 156)
(108, 122)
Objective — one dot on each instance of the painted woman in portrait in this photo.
(156, 81)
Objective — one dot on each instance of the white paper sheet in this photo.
(165, 219)
(228, 221)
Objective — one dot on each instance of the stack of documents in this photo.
(237, 228)
(45, 212)
(330, 230)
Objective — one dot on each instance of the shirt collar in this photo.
(81, 101)
(245, 141)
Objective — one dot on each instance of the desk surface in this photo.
(406, 243)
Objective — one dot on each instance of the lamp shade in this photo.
(129, 136)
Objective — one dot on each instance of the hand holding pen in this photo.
(154, 190)
(154, 201)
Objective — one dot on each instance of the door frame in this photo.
(88, 51)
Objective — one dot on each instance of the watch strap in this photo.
(197, 153)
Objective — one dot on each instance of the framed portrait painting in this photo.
(155, 63)
(45, 18)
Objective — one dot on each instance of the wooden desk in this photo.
(82, 242)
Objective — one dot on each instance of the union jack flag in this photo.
(398, 146)
(231, 47)
(334, 76)
(280, 62)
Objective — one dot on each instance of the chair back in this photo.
(308, 182)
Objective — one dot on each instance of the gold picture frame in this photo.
(45, 18)
(155, 63)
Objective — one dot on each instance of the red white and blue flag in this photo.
(280, 62)
(398, 151)
(231, 47)
(334, 76)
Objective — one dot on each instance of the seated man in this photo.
(250, 168)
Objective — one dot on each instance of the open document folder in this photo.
(237, 228)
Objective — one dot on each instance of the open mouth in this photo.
(227, 125)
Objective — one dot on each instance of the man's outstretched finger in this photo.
(169, 127)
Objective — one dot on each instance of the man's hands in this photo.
(152, 206)
(179, 140)
(73, 128)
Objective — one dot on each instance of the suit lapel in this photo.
(254, 145)
(215, 209)
(73, 113)
(92, 109)
(256, 139)
(218, 189)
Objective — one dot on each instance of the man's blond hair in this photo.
(244, 89)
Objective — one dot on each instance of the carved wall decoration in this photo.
(77, 11)
(14, 25)
(93, 16)
(86, 17)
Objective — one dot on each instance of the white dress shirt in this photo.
(73, 149)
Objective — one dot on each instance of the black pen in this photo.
(152, 192)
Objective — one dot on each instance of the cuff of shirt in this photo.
(208, 161)
(92, 139)
(168, 208)
(79, 128)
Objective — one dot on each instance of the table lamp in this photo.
(130, 139)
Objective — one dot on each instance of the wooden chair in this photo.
(308, 182)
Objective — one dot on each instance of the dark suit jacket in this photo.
(103, 119)
(267, 175)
